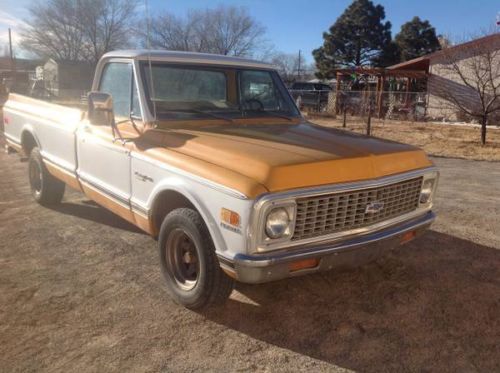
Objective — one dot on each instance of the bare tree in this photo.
(171, 32)
(469, 79)
(78, 30)
(287, 65)
(54, 30)
(106, 25)
(226, 30)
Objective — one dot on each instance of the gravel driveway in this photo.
(80, 290)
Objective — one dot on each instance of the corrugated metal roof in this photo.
(489, 40)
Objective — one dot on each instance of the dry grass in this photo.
(435, 138)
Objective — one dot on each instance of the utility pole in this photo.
(298, 69)
(10, 50)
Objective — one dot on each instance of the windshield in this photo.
(185, 92)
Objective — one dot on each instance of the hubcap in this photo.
(35, 177)
(182, 259)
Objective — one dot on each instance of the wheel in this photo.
(45, 188)
(189, 263)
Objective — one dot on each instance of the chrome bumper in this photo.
(349, 252)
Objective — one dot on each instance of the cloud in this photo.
(7, 21)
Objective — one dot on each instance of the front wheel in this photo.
(189, 263)
(45, 188)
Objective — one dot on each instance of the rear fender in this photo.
(26, 132)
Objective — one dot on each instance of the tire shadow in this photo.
(432, 305)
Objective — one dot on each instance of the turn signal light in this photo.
(230, 217)
(303, 264)
(408, 236)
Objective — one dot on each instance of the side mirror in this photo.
(4, 94)
(101, 109)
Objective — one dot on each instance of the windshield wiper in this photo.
(270, 113)
(198, 112)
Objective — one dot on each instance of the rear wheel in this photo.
(45, 188)
(189, 263)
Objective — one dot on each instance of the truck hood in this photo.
(287, 156)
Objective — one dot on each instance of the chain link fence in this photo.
(384, 105)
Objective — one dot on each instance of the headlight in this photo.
(426, 192)
(277, 223)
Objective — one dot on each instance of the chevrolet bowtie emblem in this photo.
(374, 207)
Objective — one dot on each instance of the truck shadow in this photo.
(432, 305)
(89, 210)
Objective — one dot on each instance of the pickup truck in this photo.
(309, 95)
(211, 157)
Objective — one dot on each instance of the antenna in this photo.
(148, 47)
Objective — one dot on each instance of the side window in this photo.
(258, 86)
(116, 80)
(136, 109)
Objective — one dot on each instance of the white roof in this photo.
(186, 57)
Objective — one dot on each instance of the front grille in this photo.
(336, 212)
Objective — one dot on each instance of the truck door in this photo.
(103, 158)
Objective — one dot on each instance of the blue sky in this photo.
(298, 24)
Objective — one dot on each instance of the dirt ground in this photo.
(438, 139)
(80, 290)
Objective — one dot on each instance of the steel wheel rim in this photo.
(182, 259)
(35, 175)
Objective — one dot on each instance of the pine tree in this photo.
(416, 39)
(390, 55)
(357, 38)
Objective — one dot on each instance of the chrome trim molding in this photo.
(345, 187)
(139, 208)
(66, 166)
(60, 168)
(107, 192)
(125, 202)
(325, 248)
(117, 199)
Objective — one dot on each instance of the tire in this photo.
(45, 188)
(189, 264)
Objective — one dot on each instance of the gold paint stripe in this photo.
(63, 175)
(116, 207)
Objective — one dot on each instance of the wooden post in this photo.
(407, 91)
(380, 100)
(337, 94)
(369, 120)
(344, 112)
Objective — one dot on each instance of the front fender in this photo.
(192, 194)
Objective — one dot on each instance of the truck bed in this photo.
(51, 126)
